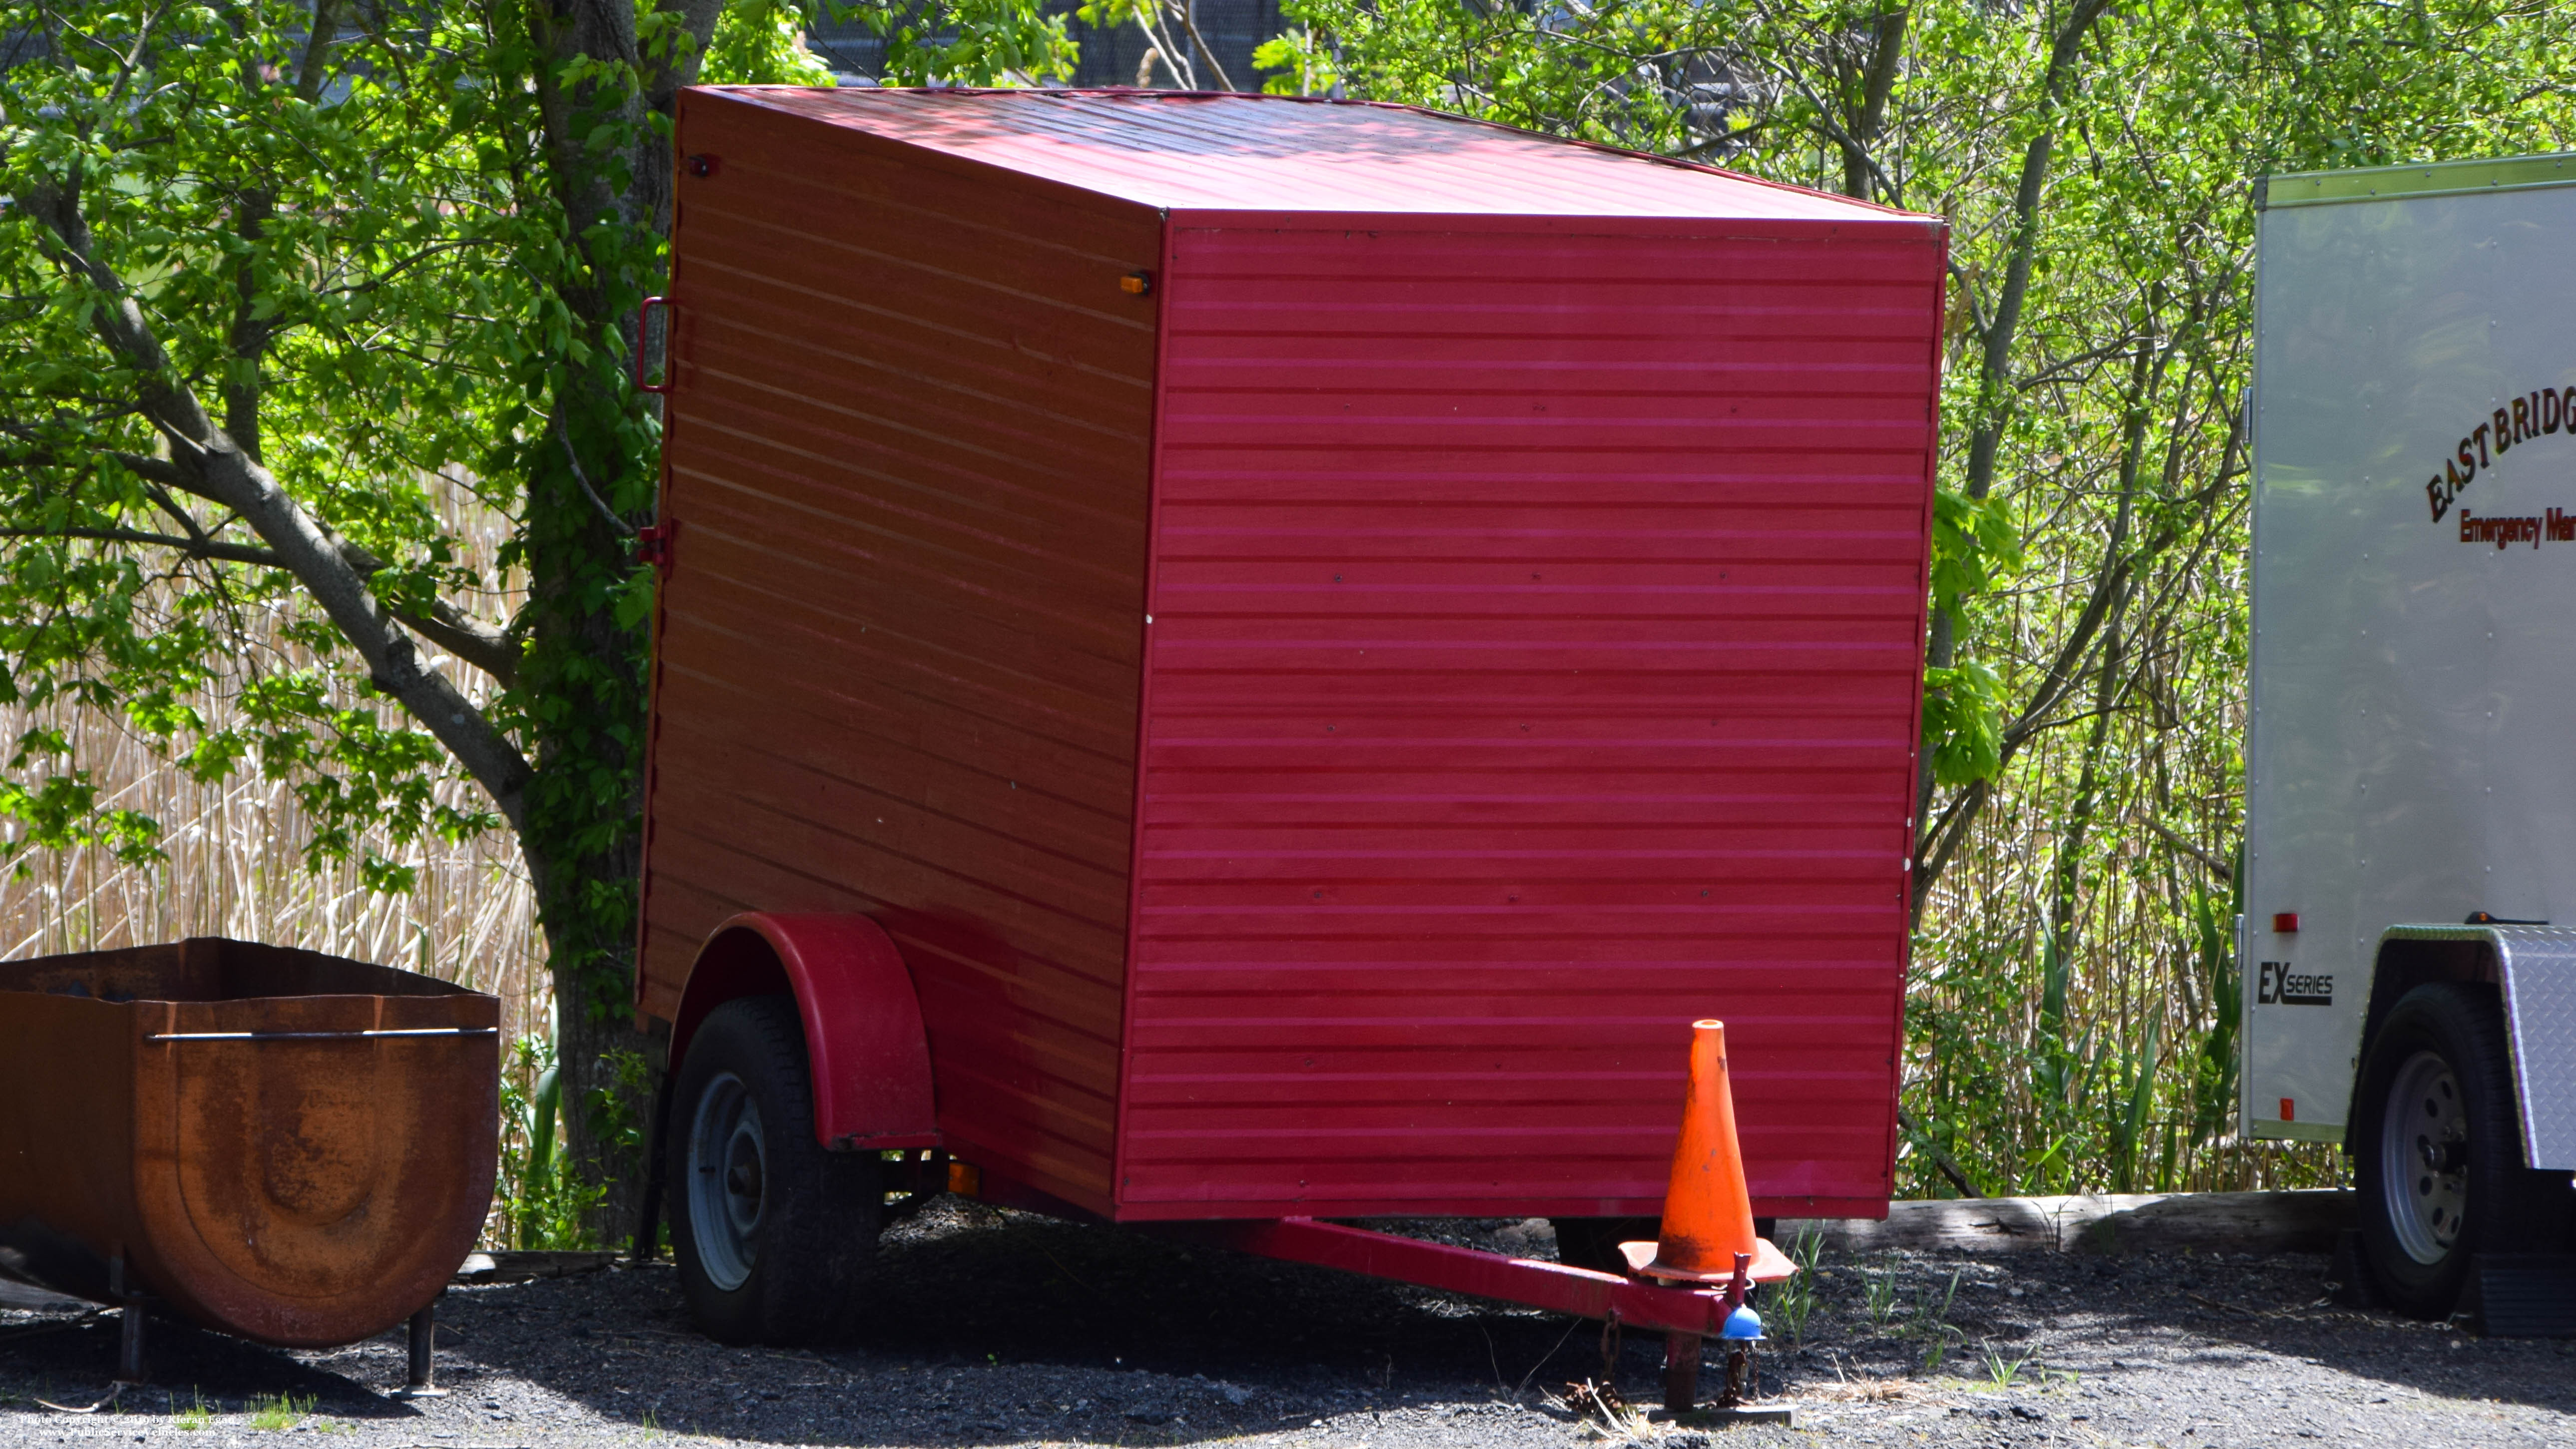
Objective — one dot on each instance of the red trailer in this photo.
(1252, 660)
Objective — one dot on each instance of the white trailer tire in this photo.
(2437, 1148)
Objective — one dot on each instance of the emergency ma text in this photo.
(2555, 526)
(2545, 411)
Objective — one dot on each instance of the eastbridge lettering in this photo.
(2544, 411)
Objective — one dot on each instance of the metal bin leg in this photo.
(129, 1344)
(418, 1383)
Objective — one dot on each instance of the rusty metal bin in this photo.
(288, 1146)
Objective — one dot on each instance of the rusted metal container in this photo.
(288, 1146)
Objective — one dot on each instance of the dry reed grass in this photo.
(234, 851)
(234, 866)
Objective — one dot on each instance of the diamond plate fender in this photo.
(2536, 967)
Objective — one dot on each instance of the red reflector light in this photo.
(2285, 923)
(2289, 1110)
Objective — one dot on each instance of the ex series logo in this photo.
(2280, 986)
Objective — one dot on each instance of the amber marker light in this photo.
(964, 1179)
(1137, 284)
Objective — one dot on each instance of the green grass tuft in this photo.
(282, 1412)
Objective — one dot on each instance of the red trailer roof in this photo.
(1196, 151)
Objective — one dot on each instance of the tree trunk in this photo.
(1936, 839)
(588, 477)
(1866, 97)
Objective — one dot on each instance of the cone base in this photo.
(1770, 1265)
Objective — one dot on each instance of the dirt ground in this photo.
(995, 1329)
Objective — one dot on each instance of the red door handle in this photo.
(644, 309)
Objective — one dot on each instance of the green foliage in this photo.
(1617, 71)
(965, 42)
(1793, 1302)
(2213, 1081)
(279, 1411)
(1932, 1322)
(1963, 720)
(620, 1108)
(546, 1203)
(61, 809)
(762, 43)
(391, 256)
(545, 1198)
(2042, 1101)
(1300, 64)
(1879, 1298)
(336, 262)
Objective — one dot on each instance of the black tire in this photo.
(774, 1236)
(1594, 1242)
(2437, 1148)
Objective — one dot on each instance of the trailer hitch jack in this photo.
(1682, 1352)
(1681, 1372)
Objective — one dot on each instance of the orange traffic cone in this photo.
(1708, 1215)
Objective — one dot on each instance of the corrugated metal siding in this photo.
(1534, 669)
(1285, 153)
(898, 652)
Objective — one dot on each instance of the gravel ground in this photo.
(1002, 1329)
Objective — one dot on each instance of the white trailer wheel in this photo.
(728, 1177)
(2437, 1149)
(2423, 1157)
(773, 1234)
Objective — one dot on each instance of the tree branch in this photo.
(1941, 1158)
(1995, 371)
(443, 624)
(163, 472)
(2215, 866)
(1182, 9)
(313, 71)
(240, 553)
(207, 462)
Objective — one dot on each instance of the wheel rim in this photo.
(728, 1180)
(2423, 1157)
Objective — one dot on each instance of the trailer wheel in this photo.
(2437, 1147)
(773, 1234)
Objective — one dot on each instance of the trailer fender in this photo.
(2533, 968)
(863, 1031)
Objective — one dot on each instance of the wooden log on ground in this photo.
(519, 1266)
(2236, 1222)
(30, 1298)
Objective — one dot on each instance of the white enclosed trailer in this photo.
(2409, 947)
